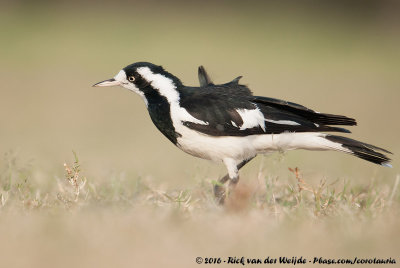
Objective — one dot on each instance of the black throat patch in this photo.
(160, 114)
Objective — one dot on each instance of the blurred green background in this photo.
(340, 57)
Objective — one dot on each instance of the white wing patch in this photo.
(184, 115)
(167, 88)
(251, 118)
(283, 122)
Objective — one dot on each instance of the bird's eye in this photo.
(131, 78)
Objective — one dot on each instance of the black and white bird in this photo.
(227, 123)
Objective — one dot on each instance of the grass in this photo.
(268, 193)
(95, 222)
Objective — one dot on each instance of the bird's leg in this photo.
(233, 182)
(219, 188)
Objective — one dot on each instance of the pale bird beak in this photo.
(107, 83)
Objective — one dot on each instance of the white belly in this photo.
(241, 148)
(215, 148)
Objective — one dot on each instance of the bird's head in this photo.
(143, 78)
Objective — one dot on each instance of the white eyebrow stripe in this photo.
(121, 76)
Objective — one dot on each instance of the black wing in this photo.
(219, 106)
(220, 115)
(315, 117)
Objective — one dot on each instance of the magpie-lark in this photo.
(227, 123)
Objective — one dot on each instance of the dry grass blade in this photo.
(75, 180)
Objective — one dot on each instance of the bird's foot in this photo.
(219, 190)
(219, 193)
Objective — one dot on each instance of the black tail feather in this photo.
(332, 119)
(313, 116)
(363, 150)
(333, 129)
(204, 78)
